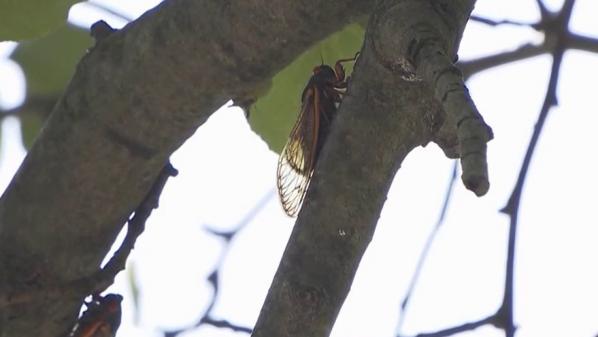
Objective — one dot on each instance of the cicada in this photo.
(319, 102)
(101, 319)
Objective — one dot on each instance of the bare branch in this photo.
(494, 23)
(505, 313)
(458, 329)
(512, 207)
(579, 42)
(565, 13)
(526, 51)
(544, 12)
(424, 254)
(135, 226)
(213, 278)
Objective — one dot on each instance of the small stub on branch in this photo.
(472, 132)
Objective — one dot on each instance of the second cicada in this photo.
(319, 102)
(101, 319)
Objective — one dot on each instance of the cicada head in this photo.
(323, 74)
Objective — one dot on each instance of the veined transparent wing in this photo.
(297, 159)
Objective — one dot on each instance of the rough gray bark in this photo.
(134, 99)
(403, 83)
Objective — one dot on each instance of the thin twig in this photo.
(544, 12)
(424, 254)
(459, 328)
(226, 324)
(571, 41)
(505, 313)
(228, 235)
(135, 227)
(580, 42)
(104, 277)
(483, 63)
(512, 207)
(213, 278)
(494, 23)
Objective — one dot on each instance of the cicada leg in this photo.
(340, 70)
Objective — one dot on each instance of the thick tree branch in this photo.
(135, 97)
(102, 278)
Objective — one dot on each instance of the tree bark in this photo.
(136, 96)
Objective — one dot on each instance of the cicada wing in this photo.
(292, 186)
(297, 159)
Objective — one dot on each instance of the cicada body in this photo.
(101, 319)
(319, 103)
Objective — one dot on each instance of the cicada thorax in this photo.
(319, 103)
(324, 84)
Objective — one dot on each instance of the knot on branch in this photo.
(463, 122)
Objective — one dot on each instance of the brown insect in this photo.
(319, 102)
(101, 319)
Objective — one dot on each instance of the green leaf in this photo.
(30, 126)
(26, 19)
(132, 280)
(273, 115)
(48, 63)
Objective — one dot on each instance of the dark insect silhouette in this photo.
(101, 319)
(319, 102)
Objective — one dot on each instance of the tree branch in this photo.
(213, 278)
(494, 23)
(525, 51)
(505, 316)
(384, 115)
(458, 329)
(135, 97)
(580, 42)
(424, 253)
